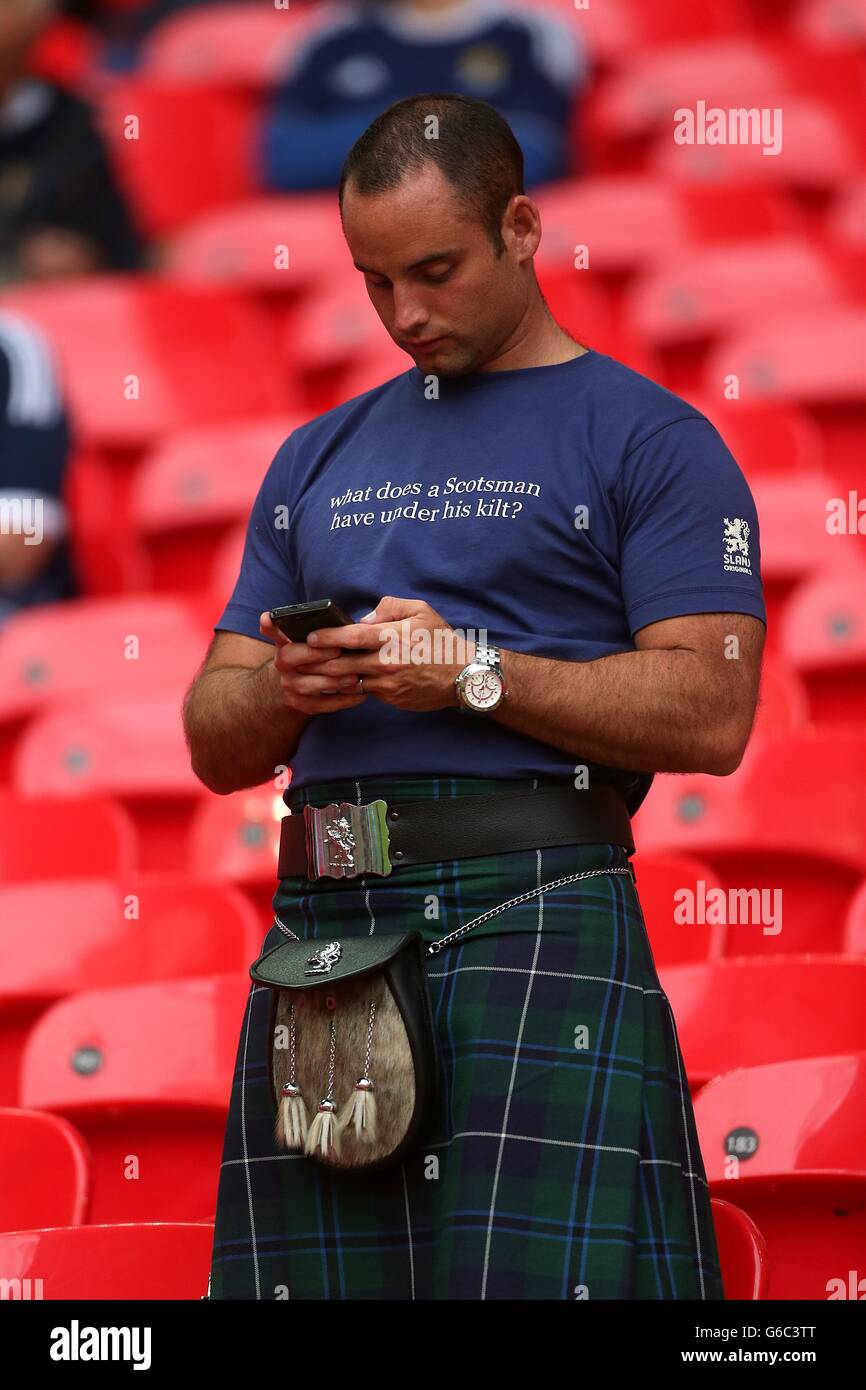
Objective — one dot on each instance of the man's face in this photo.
(432, 274)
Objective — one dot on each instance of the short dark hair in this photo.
(475, 148)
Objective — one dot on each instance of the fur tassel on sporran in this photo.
(360, 1109)
(324, 1132)
(292, 1123)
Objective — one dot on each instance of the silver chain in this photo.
(331, 1060)
(369, 1038)
(436, 946)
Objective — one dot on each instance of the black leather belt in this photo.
(343, 840)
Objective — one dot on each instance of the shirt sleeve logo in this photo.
(736, 542)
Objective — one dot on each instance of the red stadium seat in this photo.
(626, 221)
(660, 878)
(789, 828)
(768, 437)
(226, 566)
(115, 335)
(847, 218)
(831, 23)
(373, 369)
(107, 559)
(782, 702)
(834, 78)
(710, 290)
(742, 1252)
(145, 1074)
(334, 324)
(804, 1180)
(823, 637)
(44, 837)
(855, 923)
(614, 31)
(123, 745)
(750, 209)
(815, 1233)
(235, 839)
(817, 156)
(134, 644)
(806, 1115)
(44, 1172)
(678, 20)
(748, 1012)
(192, 488)
(134, 930)
(641, 98)
(846, 237)
(582, 310)
(226, 45)
(769, 359)
(131, 747)
(192, 148)
(66, 52)
(154, 1261)
(795, 540)
(238, 245)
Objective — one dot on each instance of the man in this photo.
(61, 212)
(366, 55)
(565, 521)
(35, 555)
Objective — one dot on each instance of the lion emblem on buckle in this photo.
(341, 843)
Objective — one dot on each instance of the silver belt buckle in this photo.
(344, 840)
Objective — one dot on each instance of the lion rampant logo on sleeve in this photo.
(736, 541)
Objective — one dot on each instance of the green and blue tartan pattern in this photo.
(564, 1161)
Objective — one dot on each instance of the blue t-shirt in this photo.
(559, 508)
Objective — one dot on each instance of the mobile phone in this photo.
(298, 620)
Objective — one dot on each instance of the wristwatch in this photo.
(481, 685)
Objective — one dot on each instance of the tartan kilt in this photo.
(563, 1162)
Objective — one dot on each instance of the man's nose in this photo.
(409, 312)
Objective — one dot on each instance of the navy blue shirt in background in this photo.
(523, 60)
(559, 508)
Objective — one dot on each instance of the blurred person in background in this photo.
(123, 25)
(61, 212)
(35, 562)
(527, 63)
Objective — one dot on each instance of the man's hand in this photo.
(299, 668)
(405, 651)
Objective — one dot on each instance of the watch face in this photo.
(482, 689)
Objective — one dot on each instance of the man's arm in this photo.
(237, 724)
(683, 702)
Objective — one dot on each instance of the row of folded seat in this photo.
(171, 1260)
(782, 1143)
(202, 87)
